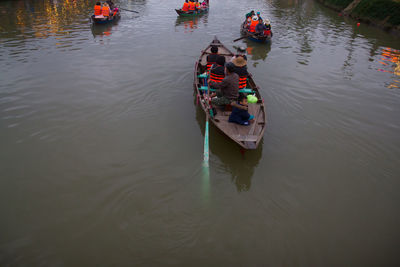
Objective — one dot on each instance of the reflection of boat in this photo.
(104, 20)
(187, 22)
(102, 29)
(247, 137)
(254, 37)
(190, 23)
(257, 51)
(229, 158)
(191, 13)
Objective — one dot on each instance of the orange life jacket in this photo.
(216, 77)
(106, 11)
(185, 7)
(242, 82)
(253, 25)
(97, 10)
(192, 6)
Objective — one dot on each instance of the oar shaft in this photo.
(206, 152)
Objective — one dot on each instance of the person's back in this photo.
(97, 9)
(253, 24)
(185, 6)
(212, 58)
(105, 10)
(241, 70)
(217, 72)
(228, 88)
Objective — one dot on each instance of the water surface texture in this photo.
(101, 142)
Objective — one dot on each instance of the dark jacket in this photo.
(229, 86)
(239, 116)
(260, 27)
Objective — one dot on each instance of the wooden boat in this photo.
(191, 13)
(252, 36)
(247, 137)
(104, 20)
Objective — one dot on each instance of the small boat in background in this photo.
(254, 37)
(103, 20)
(191, 13)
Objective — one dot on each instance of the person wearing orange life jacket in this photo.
(217, 71)
(254, 22)
(241, 70)
(97, 9)
(212, 58)
(192, 6)
(105, 10)
(197, 4)
(268, 32)
(185, 6)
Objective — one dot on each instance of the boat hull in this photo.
(252, 36)
(191, 13)
(248, 137)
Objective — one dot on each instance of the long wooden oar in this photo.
(239, 38)
(206, 151)
(128, 10)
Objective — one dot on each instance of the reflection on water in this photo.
(238, 162)
(41, 19)
(101, 30)
(189, 24)
(256, 51)
(390, 60)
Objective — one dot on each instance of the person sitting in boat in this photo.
(250, 14)
(212, 58)
(97, 9)
(260, 28)
(240, 115)
(204, 5)
(258, 15)
(185, 6)
(267, 31)
(197, 4)
(110, 4)
(228, 89)
(241, 70)
(240, 52)
(105, 10)
(217, 71)
(253, 24)
(192, 6)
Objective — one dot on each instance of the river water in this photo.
(101, 142)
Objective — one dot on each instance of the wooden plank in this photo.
(246, 138)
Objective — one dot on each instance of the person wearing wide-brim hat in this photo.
(239, 61)
(241, 70)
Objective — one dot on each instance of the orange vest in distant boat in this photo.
(97, 10)
(185, 7)
(106, 11)
(253, 25)
(192, 6)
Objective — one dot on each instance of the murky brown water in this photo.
(101, 143)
